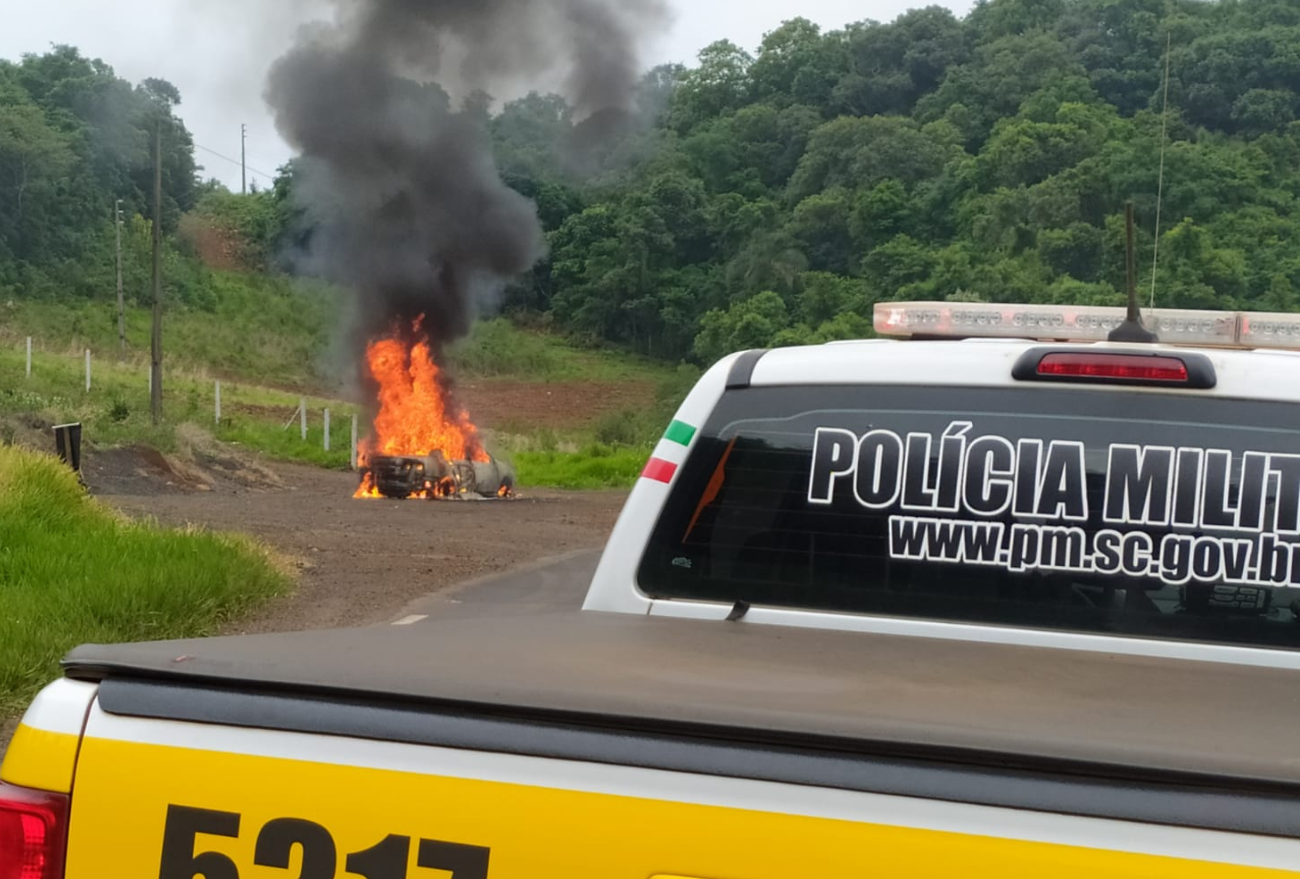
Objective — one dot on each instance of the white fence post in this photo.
(302, 410)
(29, 356)
(327, 430)
(87, 370)
(218, 402)
(354, 442)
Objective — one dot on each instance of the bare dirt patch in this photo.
(201, 465)
(218, 248)
(261, 412)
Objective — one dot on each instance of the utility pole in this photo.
(121, 302)
(243, 155)
(155, 364)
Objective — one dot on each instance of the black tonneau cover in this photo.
(872, 693)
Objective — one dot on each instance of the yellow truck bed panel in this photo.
(169, 799)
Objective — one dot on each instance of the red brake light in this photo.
(33, 833)
(1129, 367)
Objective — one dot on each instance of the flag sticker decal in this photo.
(659, 470)
(680, 432)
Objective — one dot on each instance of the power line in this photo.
(270, 177)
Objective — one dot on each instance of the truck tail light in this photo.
(1186, 370)
(33, 833)
(1121, 366)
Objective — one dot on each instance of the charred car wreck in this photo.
(435, 478)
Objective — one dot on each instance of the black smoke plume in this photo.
(396, 178)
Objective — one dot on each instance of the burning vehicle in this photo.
(423, 446)
(434, 477)
(398, 200)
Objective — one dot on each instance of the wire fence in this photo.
(302, 414)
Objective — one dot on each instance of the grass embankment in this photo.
(73, 572)
(498, 349)
(589, 467)
(271, 330)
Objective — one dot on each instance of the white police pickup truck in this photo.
(1006, 599)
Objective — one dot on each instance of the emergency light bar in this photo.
(1068, 323)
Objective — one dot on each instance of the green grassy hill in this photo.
(255, 325)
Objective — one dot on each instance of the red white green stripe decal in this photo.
(661, 470)
(680, 432)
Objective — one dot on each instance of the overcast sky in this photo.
(217, 51)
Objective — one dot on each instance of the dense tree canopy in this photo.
(777, 196)
(774, 196)
(75, 138)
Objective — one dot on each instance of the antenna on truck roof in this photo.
(1132, 329)
(1164, 143)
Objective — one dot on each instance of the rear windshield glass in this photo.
(1080, 510)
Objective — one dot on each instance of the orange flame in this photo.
(367, 489)
(416, 414)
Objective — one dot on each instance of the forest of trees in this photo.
(74, 139)
(774, 197)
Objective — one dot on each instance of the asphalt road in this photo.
(549, 585)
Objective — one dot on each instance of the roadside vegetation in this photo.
(501, 349)
(593, 466)
(604, 452)
(73, 572)
(275, 328)
(116, 410)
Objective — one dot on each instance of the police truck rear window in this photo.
(1082, 510)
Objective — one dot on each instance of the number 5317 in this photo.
(277, 840)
